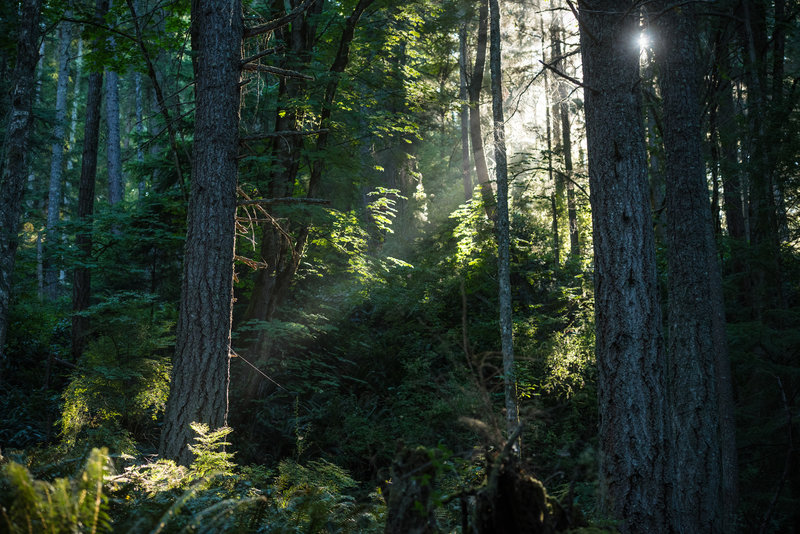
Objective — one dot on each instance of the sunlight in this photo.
(644, 41)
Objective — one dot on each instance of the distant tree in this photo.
(54, 192)
(82, 275)
(12, 173)
(200, 375)
(629, 345)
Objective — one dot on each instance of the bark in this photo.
(475, 85)
(56, 162)
(502, 228)
(466, 175)
(698, 366)
(82, 277)
(12, 175)
(629, 348)
(200, 376)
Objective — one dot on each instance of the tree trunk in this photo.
(82, 278)
(698, 367)
(137, 84)
(113, 154)
(12, 175)
(475, 84)
(466, 175)
(199, 387)
(550, 168)
(566, 145)
(629, 347)
(76, 93)
(502, 229)
(55, 190)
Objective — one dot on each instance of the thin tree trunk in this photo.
(82, 276)
(475, 85)
(566, 145)
(698, 365)
(76, 93)
(550, 168)
(54, 192)
(502, 228)
(633, 433)
(201, 367)
(137, 82)
(113, 154)
(12, 174)
(466, 175)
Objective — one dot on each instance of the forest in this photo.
(340, 266)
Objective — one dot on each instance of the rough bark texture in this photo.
(698, 363)
(502, 228)
(82, 277)
(629, 347)
(76, 93)
(57, 158)
(199, 388)
(12, 175)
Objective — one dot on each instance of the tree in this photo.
(199, 386)
(476, 137)
(56, 163)
(12, 174)
(702, 448)
(629, 348)
(82, 275)
(502, 226)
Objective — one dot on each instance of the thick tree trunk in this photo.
(199, 387)
(56, 162)
(630, 354)
(502, 229)
(12, 175)
(466, 175)
(475, 84)
(698, 367)
(82, 278)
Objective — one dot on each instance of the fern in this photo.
(65, 505)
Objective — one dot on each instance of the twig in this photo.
(261, 54)
(282, 133)
(275, 70)
(569, 78)
(283, 200)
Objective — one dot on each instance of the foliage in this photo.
(75, 504)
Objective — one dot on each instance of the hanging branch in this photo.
(282, 133)
(275, 70)
(568, 77)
